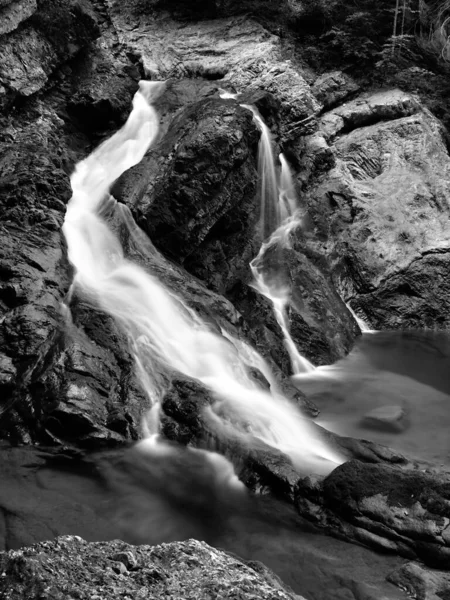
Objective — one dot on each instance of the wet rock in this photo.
(97, 399)
(398, 510)
(237, 51)
(195, 192)
(321, 326)
(420, 582)
(43, 395)
(189, 419)
(69, 566)
(386, 418)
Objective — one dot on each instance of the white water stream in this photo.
(277, 219)
(161, 329)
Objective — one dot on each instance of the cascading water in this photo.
(162, 330)
(270, 213)
(362, 324)
(277, 219)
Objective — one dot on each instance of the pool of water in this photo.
(407, 371)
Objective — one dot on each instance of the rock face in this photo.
(374, 180)
(31, 53)
(413, 578)
(394, 509)
(205, 179)
(382, 211)
(69, 566)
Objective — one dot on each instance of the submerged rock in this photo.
(69, 566)
(386, 418)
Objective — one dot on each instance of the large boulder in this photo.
(69, 566)
(381, 212)
(199, 185)
(387, 507)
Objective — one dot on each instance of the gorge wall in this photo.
(372, 171)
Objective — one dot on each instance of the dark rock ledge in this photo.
(69, 568)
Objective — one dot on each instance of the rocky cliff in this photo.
(372, 174)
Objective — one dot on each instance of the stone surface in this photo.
(69, 566)
(14, 13)
(386, 418)
(422, 583)
(30, 54)
(320, 324)
(58, 383)
(394, 509)
(237, 51)
(381, 213)
(332, 88)
(204, 173)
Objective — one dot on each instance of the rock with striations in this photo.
(381, 213)
(29, 54)
(13, 13)
(70, 567)
(389, 507)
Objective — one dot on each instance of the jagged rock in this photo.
(13, 13)
(334, 87)
(47, 391)
(381, 214)
(69, 566)
(237, 51)
(53, 34)
(420, 582)
(195, 193)
(398, 510)
(320, 324)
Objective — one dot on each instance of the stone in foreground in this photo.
(69, 567)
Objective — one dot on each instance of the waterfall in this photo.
(277, 219)
(162, 330)
(362, 324)
(270, 214)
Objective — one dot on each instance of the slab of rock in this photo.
(420, 582)
(386, 418)
(70, 567)
(381, 213)
(333, 88)
(401, 510)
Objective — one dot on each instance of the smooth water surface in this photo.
(407, 370)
